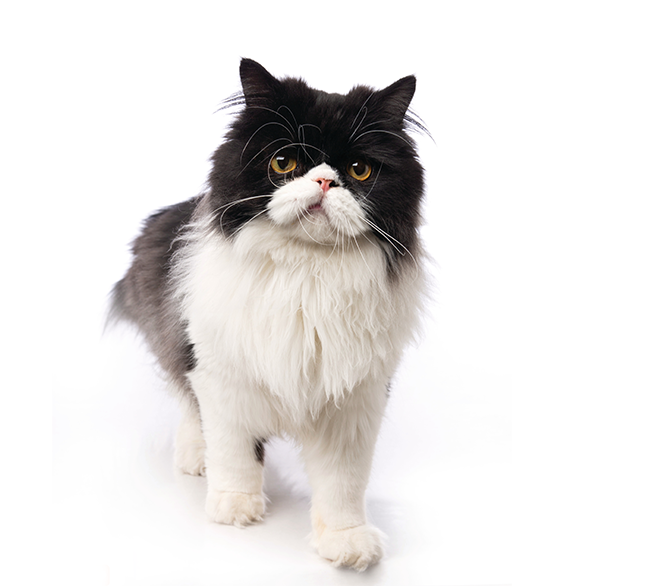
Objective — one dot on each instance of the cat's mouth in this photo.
(317, 209)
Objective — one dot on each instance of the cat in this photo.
(279, 300)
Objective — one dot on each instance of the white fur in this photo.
(341, 213)
(189, 444)
(297, 329)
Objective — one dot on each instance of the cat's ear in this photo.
(257, 83)
(396, 98)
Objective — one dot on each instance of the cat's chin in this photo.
(317, 230)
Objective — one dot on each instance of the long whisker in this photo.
(393, 241)
(269, 170)
(235, 233)
(384, 132)
(396, 244)
(342, 263)
(373, 184)
(300, 144)
(336, 244)
(304, 144)
(258, 130)
(291, 113)
(259, 153)
(228, 206)
(306, 232)
(356, 243)
(311, 126)
(365, 113)
(291, 128)
(363, 107)
(233, 203)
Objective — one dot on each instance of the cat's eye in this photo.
(359, 170)
(283, 163)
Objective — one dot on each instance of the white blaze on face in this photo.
(317, 207)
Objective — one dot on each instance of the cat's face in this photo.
(321, 167)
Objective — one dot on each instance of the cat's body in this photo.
(280, 300)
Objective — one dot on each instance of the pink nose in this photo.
(325, 184)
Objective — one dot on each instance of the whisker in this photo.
(228, 206)
(336, 244)
(393, 242)
(342, 263)
(269, 170)
(356, 243)
(235, 233)
(312, 126)
(291, 113)
(363, 107)
(309, 217)
(259, 153)
(373, 184)
(258, 130)
(365, 113)
(302, 144)
(396, 244)
(306, 232)
(291, 128)
(384, 132)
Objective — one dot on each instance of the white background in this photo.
(535, 217)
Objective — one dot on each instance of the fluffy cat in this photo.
(279, 300)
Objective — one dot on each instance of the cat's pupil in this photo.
(359, 167)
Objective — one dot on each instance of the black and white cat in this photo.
(279, 301)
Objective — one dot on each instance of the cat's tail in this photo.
(117, 311)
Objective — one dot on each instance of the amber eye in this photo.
(283, 163)
(359, 170)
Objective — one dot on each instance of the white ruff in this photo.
(299, 322)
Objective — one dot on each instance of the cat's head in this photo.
(321, 167)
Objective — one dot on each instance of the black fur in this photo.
(259, 450)
(319, 127)
(144, 295)
(315, 127)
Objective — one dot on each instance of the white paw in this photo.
(189, 457)
(235, 508)
(358, 547)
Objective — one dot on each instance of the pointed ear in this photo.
(396, 98)
(257, 83)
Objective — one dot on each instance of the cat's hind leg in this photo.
(189, 442)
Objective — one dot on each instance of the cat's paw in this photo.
(235, 508)
(358, 547)
(189, 458)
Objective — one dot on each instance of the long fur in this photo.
(281, 299)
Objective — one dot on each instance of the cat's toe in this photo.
(358, 547)
(235, 508)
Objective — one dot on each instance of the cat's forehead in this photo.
(350, 103)
(332, 113)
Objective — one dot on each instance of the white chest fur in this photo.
(305, 322)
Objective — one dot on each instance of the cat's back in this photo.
(145, 285)
(145, 294)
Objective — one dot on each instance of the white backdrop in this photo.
(534, 215)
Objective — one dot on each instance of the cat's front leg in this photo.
(338, 457)
(233, 454)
